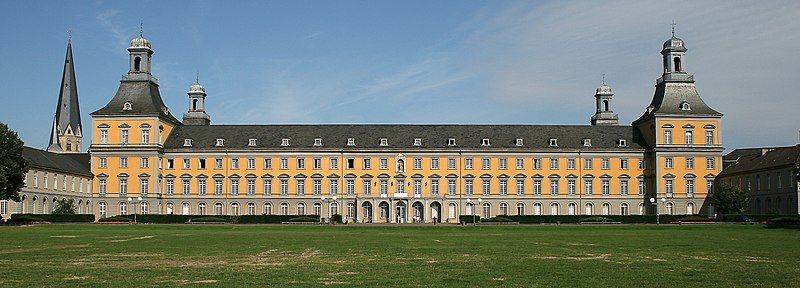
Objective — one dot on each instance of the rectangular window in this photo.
(351, 163)
(350, 186)
(606, 187)
(667, 136)
(284, 187)
(503, 163)
(554, 163)
(317, 187)
(641, 187)
(301, 187)
(435, 187)
(623, 187)
(537, 187)
(605, 164)
(217, 186)
(384, 163)
(588, 186)
(689, 187)
(623, 163)
(689, 163)
(520, 186)
(486, 188)
(571, 187)
(641, 164)
(123, 136)
(145, 136)
(334, 163)
(334, 189)
(186, 164)
(201, 186)
(103, 163)
(668, 185)
(201, 163)
(520, 163)
(144, 186)
(451, 187)
(401, 186)
(503, 187)
(103, 136)
(710, 163)
(123, 186)
(267, 163)
(367, 187)
(185, 186)
(251, 187)
(709, 137)
(468, 163)
(553, 186)
(434, 163)
(417, 163)
(451, 163)
(417, 188)
(234, 186)
(587, 164)
(384, 187)
(267, 187)
(284, 163)
(709, 185)
(301, 163)
(144, 162)
(367, 164)
(102, 186)
(688, 138)
(234, 163)
(537, 163)
(571, 163)
(218, 163)
(170, 186)
(486, 164)
(251, 163)
(123, 162)
(668, 162)
(468, 189)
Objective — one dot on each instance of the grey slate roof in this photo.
(402, 136)
(68, 112)
(75, 163)
(669, 96)
(144, 97)
(747, 161)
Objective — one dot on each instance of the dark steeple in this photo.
(67, 128)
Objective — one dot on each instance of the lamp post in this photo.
(479, 206)
(655, 203)
(322, 198)
(469, 204)
(134, 206)
(337, 205)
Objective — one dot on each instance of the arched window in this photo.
(641, 209)
(267, 208)
(487, 210)
(334, 208)
(123, 208)
(218, 208)
(351, 210)
(69, 145)
(670, 209)
(451, 211)
(689, 208)
(537, 209)
(235, 209)
(677, 62)
(102, 209)
(554, 209)
(301, 209)
(137, 63)
(284, 209)
(571, 209)
(194, 104)
(317, 209)
(623, 209)
(605, 105)
(143, 207)
(589, 210)
(520, 208)
(170, 208)
(202, 208)
(251, 208)
(606, 209)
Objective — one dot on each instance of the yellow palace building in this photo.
(403, 173)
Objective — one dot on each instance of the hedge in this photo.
(570, 219)
(267, 219)
(754, 217)
(53, 218)
(304, 219)
(595, 219)
(496, 219)
(466, 219)
(117, 218)
(210, 219)
(243, 219)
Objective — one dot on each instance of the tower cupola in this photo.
(197, 106)
(603, 114)
(141, 53)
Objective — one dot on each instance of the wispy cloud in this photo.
(120, 37)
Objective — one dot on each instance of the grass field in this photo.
(392, 256)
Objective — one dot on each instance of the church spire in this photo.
(67, 130)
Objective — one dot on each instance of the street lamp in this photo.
(655, 203)
(134, 206)
(337, 205)
(469, 204)
(479, 206)
(325, 204)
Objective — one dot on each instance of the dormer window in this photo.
(451, 142)
(553, 142)
(622, 143)
(417, 142)
(485, 142)
(351, 142)
(220, 142)
(187, 142)
(251, 142)
(519, 142)
(685, 106)
(127, 106)
(285, 142)
(317, 141)
(587, 142)
(384, 142)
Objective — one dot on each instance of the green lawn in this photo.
(392, 256)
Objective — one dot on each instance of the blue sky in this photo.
(529, 62)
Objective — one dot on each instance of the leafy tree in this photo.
(730, 200)
(12, 166)
(64, 206)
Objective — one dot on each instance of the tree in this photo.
(64, 206)
(12, 166)
(730, 200)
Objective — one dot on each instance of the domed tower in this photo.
(197, 102)
(140, 55)
(603, 114)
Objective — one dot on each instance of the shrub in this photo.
(210, 219)
(469, 219)
(785, 220)
(336, 218)
(497, 219)
(65, 206)
(270, 219)
(595, 219)
(54, 218)
(118, 218)
(693, 218)
(303, 219)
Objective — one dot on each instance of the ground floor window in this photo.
(451, 211)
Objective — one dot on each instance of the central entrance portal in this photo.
(400, 212)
